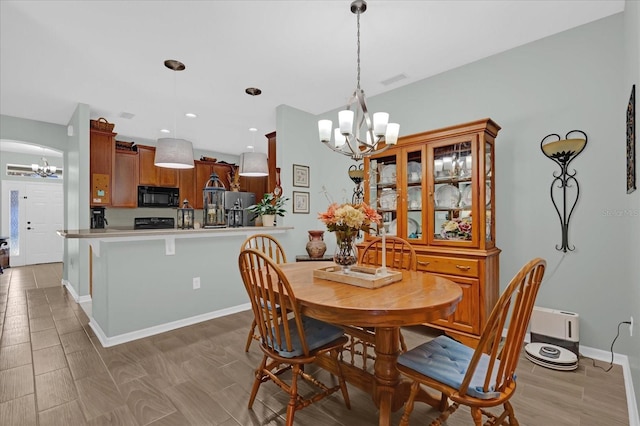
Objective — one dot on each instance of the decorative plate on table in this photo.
(447, 196)
(388, 200)
(388, 173)
(414, 171)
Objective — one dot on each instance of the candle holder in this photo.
(562, 152)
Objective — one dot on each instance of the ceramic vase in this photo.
(316, 245)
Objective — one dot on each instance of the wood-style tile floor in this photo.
(53, 371)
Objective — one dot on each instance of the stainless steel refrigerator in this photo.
(246, 199)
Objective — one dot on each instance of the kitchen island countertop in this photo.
(185, 233)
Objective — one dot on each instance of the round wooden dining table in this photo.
(417, 298)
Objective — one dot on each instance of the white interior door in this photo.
(44, 214)
(31, 215)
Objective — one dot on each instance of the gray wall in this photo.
(568, 81)
(632, 76)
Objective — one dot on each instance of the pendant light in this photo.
(174, 153)
(253, 164)
(368, 137)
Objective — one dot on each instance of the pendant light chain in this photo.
(358, 20)
(175, 103)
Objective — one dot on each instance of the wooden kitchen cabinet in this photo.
(101, 157)
(125, 179)
(187, 186)
(436, 190)
(151, 175)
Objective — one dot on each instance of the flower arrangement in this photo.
(346, 220)
(457, 228)
(350, 218)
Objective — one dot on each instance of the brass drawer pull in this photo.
(464, 268)
(423, 263)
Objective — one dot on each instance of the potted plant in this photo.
(268, 208)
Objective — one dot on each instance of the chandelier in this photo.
(45, 170)
(369, 137)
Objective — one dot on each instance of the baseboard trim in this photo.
(72, 292)
(162, 328)
(618, 359)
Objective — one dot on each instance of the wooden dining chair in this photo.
(288, 340)
(272, 248)
(399, 255)
(483, 377)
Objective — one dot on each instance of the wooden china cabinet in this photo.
(436, 190)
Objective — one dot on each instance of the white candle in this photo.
(384, 252)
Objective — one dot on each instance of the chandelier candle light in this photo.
(348, 141)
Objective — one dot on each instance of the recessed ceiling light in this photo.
(190, 115)
(165, 130)
(253, 91)
(249, 146)
(253, 129)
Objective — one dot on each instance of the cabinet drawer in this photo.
(448, 265)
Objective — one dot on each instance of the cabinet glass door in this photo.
(453, 193)
(413, 197)
(383, 191)
(488, 172)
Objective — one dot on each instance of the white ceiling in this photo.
(110, 54)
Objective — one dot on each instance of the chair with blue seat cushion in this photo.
(272, 248)
(483, 377)
(288, 340)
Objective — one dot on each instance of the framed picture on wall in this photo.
(300, 202)
(300, 176)
(631, 141)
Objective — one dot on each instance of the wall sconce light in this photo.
(562, 152)
(356, 174)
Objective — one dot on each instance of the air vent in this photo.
(393, 79)
(127, 115)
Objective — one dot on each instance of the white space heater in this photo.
(554, 339)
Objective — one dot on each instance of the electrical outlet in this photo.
(196, 283)
(631, 327)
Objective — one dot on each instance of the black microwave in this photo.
(154, 196)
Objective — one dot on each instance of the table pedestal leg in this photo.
(387, 377)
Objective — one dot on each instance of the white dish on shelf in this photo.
(388, 200)
(466, 197)
(415, 197)
(447, 196)
(414, 171)
(412, 227)
(388, 173)
(393, 228)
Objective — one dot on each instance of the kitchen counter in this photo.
(149, 281)
(185, 233)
